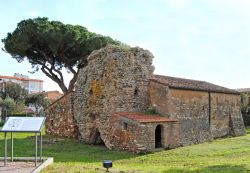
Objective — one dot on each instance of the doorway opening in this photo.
(158, 136)
(96, 138)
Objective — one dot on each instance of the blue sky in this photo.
(204, 40)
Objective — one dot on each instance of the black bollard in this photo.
(107, 164)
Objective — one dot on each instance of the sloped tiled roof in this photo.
(145, 118)
(243, 90)
(180, 83)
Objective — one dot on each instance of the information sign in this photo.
(23, 124)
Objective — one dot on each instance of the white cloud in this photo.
(243, 4)
(177, 3)
(33, 13)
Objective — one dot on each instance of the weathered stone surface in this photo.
(230, 105)
(189, 107)
(200, 119)
(118, 80)
(59, 118)
(140, 136)
(115, 80)
(224, 109)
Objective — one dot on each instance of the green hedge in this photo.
(246, 118)
(1, 124)
(21, 115)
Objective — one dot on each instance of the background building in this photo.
(245, 104)
(32, 85)
(52, 95)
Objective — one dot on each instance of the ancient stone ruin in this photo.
(112, 96)
(60, 120)
(115, 80)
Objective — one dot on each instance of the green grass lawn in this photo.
(222, 155)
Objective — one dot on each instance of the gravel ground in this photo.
(17, 167)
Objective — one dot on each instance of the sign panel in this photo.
(23, 124)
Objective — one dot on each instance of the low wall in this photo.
(140, 137)
(59, 118)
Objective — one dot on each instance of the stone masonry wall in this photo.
(115, 80)
(140, 137)
(189, 107)
(59, 118)
(226, 118)
(171, 135)
(130, 139)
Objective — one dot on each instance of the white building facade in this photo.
(31, 85)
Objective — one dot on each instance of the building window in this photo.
(124, 126)
(136, 92)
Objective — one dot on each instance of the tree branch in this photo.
(54, 77)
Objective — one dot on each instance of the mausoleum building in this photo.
(114, 92)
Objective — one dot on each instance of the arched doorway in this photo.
(158, 136)
(95, 138)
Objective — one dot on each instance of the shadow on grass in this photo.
(64, 150)
(248, 130)
(210, 169)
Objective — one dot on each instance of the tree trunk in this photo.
(72, 82)
(63, 87)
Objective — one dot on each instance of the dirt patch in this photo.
(17, 167)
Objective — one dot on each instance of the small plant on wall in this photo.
(152, 110)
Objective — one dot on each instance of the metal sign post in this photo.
(41, 145)
(11, 134)
(36, 149)
(23, 124)
(5, 148)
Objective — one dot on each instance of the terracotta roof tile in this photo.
(189, 84)
(21, 79)
(145, 118)
(55, 91)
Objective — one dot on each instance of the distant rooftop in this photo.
(243, 90)
(145, 118)
(20, 75)
(180, 83)
(21, 78)
(55, 91)
(52, 95)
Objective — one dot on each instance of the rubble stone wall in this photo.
(189, 107)
(197, 123)
(115, 80)
(140, 137)
(59, 118)
(226, 117)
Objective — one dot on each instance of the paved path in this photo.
(17, 167)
